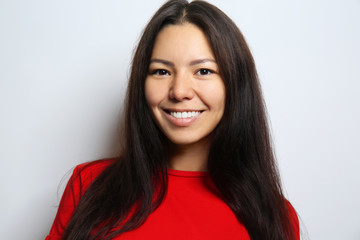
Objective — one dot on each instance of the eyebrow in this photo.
(168, 63)
(199, 61)
(171, 64)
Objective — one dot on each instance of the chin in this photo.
(186, 141)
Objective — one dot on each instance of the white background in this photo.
(63, 72)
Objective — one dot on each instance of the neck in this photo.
(191, 157)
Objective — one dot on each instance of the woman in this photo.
(197, 161)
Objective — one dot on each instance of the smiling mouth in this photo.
(183, 114)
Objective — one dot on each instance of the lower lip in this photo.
(182, 122)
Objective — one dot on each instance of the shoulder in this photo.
(94, 168)
(84, 174)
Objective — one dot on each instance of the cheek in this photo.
(215, 96)
(151, 93)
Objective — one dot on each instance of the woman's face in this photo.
(183, 88)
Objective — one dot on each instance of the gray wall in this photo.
(63, 71)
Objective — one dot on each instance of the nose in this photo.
(181, 87)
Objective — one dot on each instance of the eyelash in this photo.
(160, 72)
(201, 72)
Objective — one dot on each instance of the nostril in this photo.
(181, 95)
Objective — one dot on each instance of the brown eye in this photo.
(204, 71)
(160, 72)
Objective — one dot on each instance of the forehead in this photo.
(182, 41)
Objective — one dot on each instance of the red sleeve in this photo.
(80, 180)
(295, 221)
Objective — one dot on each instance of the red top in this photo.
(192, 209)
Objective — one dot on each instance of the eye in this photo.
(204, 71)
(160, 72)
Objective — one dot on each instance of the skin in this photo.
(184, 77)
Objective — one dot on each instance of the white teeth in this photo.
(184, 114)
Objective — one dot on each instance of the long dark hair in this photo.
(241, 161)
